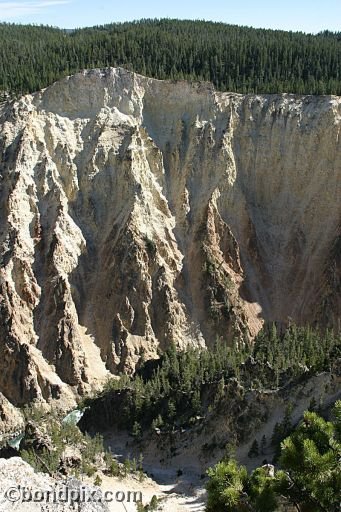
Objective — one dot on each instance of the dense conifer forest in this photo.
(170, 392)
(234, 58)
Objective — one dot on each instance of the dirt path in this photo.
(171, 498)
(177, 492)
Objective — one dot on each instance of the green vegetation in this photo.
(254, 450)
(169, 395)
(282, 430)
(308, 476)
(179, 388)
(150, 507)
(56, 447)
(217, 282)
(60, 436)
(150, 246)
(234, 58)
(296, 348)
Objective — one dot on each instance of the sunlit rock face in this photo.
(136, 212)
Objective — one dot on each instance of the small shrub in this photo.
(254, 450)
(98, 481)
(88, 469)
(150, 246)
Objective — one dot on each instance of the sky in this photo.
(299, 15)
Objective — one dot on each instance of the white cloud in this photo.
(21, 8)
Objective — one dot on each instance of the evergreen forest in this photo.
(234, 58)
(173, 391)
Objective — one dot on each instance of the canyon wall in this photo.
(136, 212)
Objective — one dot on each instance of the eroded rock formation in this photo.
(24, 489)
(137, 212)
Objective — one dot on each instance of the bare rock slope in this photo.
(135, 212)
(24, 490)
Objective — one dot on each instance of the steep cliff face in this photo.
(136, 212)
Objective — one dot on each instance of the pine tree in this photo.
(310, 462)
(309, 478)
(234, 58)
(254, 450)
(263, 444)
(136, 431)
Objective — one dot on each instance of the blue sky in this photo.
(304, 15)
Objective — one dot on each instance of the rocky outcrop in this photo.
(23, 489)
(10, 419)
(136, 212)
